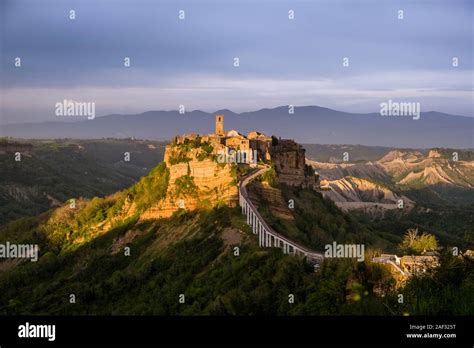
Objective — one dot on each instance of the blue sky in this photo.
(190, 61)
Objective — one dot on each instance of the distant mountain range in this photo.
(308, 124)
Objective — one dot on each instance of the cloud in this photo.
(190, 62)
(360, 93)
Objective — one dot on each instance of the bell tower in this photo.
(220, 125)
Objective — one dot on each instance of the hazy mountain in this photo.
(309, 124)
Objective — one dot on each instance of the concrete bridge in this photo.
(267, 237)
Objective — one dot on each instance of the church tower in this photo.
(220, 125)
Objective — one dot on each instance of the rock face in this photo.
(194, 183)
(356, 193)
(290, 164)
(414, 169)
(438, 176)
(289, 159)
(335, 171)
(405, 168)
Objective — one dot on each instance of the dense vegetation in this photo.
(116, 264)
(213, 279)
(452, 226)
(151, 188)
(181, 151)
(53, 171)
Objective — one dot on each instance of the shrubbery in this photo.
(185, 186)
(417, 243)
(151, 188)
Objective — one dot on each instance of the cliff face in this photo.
(412, 169)
(289, 159)
(357, 193)
(290, 164)
(196, 181)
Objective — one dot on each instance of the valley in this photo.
(179, 231)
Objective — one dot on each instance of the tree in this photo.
(409, 238)
(413, 242)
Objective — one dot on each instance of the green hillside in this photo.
(52, 171)
(192, 254)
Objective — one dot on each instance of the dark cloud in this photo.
(59, 53)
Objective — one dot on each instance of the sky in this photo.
(190, 62)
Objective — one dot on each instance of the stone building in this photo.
(252, 148)
(287, 155)
(409, 264)
(418, 264)
(220, 125)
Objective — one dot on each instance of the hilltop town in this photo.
(203, 169)
(231, 146)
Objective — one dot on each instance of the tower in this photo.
(220, 125)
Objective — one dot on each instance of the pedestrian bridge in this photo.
(267, 237)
